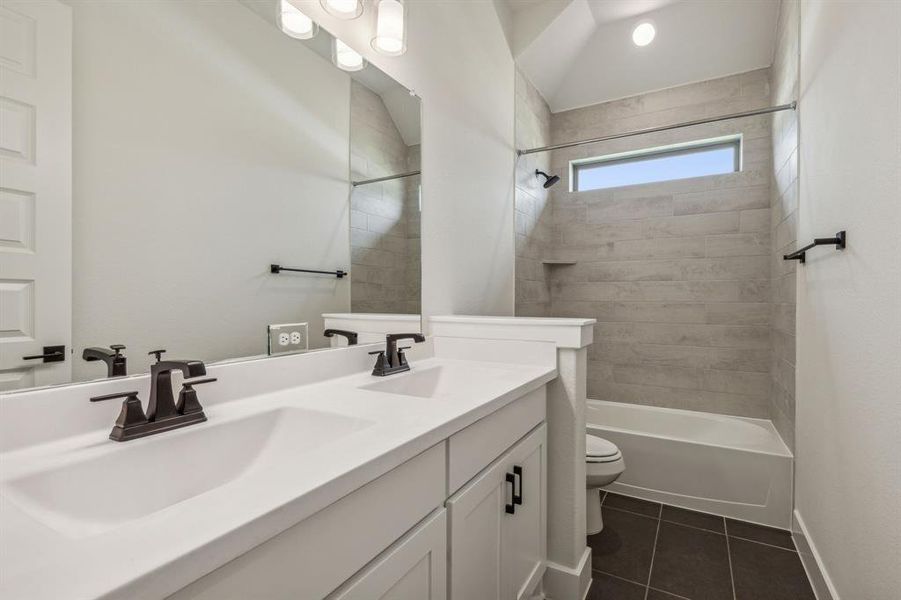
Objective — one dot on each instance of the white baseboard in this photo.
(810, 558)
(565, 583)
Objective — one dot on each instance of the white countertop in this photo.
(157, 554)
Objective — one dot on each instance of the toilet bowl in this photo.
(603, 465)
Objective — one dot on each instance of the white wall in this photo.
(848, 479)
(206, 145)
(458, 62)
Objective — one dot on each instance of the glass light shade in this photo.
(643, 34)
(294, 23)
(343, 9)
(345, 57)
(390, 28)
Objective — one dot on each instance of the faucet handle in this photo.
(131, 414)
(401, 358)
(187, 398)
(113, 396)
(117, 348)
(381, 363)
(157, 353)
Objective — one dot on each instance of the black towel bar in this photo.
(278, 269)
(800, 254)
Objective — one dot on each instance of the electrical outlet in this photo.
(288, 337)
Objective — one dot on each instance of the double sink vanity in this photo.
(310, 478)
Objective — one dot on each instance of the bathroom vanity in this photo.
(321, 482)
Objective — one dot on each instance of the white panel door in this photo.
(524, 536)
(414, 568)
(477, 514)
(498, 525)
(35, 191)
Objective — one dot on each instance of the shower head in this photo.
(549, 180)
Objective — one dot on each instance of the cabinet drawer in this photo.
(414, 568)
(472, 449)
(314, 557)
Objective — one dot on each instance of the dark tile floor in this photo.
(649, 551)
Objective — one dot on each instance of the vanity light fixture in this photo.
(644, 33)
(294, 23)
(390, 27)
(343, 9)
(345, 57)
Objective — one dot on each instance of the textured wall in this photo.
(848, 459)
(676, 273)
(784, 222)
(533, 217)
(382, 216)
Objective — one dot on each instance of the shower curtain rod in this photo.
(386, 178)
(616, 136)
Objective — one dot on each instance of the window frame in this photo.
(694, 147)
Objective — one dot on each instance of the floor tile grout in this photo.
(631, 512)
(670, 593)
(692, 526)
(744, 539)
(660, 519)
(647, 588)
(619, 577)
(729, 555)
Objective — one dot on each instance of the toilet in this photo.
(603, 465)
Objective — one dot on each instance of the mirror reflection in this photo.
(148, 192)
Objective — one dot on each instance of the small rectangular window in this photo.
(709, 157)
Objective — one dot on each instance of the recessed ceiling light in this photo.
(643, 34)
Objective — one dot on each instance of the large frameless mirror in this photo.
(194, 176)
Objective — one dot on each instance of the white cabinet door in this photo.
(414, 568)
(524, 536)
(35, 190)
(487, 526)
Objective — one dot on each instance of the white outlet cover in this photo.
(288, 337)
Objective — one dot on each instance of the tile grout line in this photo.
(660, 518)
(729, 555)
(744, 539)
(647, 589)
(632, 512)
(692, 526)
(620, 577)
(637, 583)
(668, 593)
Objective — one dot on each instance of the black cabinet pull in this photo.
(510, 509)
(50, 354)
(517, 474)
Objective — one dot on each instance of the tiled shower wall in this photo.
(534, 224)
(384, 218)
(784, 221)
(676, 273)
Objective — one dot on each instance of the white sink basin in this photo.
(118, 483)
(441, 381)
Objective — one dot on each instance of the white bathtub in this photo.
(731, 466)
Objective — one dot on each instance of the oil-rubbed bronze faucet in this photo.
(391, 360)
(115, 361)
(350, 335)
(163, 412)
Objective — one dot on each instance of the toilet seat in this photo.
(603, 465)
(599, 450)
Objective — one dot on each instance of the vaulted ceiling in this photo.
(580, 52)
